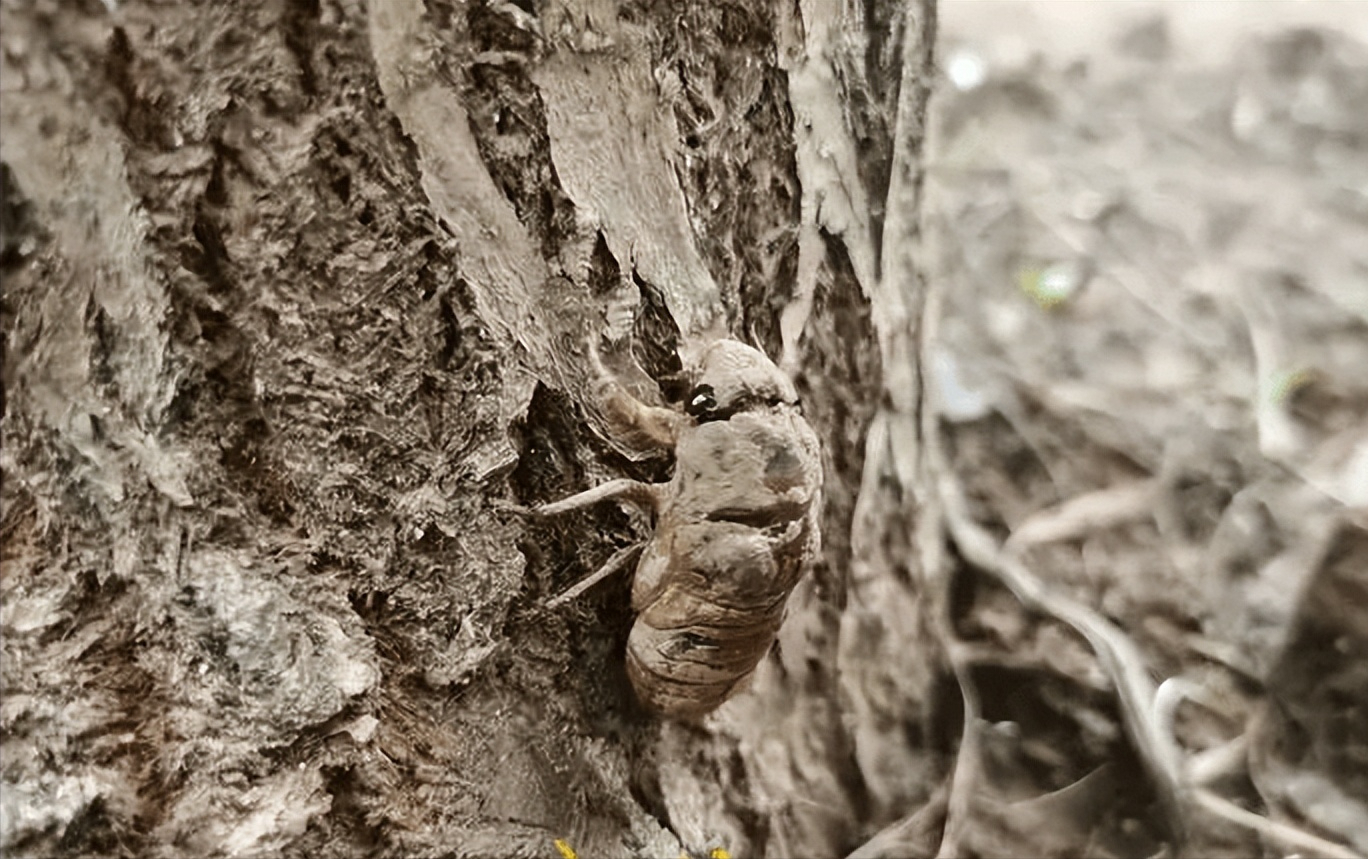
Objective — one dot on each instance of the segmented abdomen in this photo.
(718, 602)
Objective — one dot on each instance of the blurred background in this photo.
(1204, 32)
(1149, 224)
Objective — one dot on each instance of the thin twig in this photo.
(1087, 513)
(963, 784)
(1176, 690)
(1272, 829)
(1117, 654)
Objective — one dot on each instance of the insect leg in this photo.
(621, 559)
(636, 424)
(643, 495)
(640, 426)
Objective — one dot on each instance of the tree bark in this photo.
(296, 301)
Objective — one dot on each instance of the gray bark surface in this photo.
(295, 302)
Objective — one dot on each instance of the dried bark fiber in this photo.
(295, 296)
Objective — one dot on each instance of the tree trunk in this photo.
(296, 301)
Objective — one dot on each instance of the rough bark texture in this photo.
(296, 295)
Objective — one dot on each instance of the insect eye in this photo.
(701, 401)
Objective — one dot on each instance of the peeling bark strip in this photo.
(609, 144)
(296, 296)
(834, 198)
(497, 254)
(608, 138)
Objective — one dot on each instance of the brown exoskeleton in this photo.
(736, 527)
